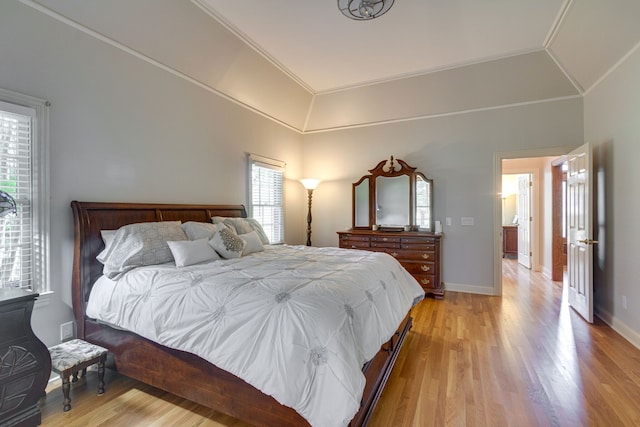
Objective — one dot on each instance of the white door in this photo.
(579, 243)
(524, 220)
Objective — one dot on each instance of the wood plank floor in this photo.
(525, 359)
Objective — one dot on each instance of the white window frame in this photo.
(276, 165)
(38, 109)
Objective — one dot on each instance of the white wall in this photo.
(125, 130)
(457, 151)
(612, 125)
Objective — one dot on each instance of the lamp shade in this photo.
(7, 204)
(310, 183)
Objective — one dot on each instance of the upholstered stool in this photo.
(72, 356)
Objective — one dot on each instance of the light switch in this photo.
(448, 221)
(466, 220)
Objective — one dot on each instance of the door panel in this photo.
(524, 220)
(580, 245)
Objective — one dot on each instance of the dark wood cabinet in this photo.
(418, 252)
(25, 364)
(509, 241)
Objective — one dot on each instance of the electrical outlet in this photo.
(624, 302)
(66, 331)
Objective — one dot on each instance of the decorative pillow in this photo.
(253, 243)
(227, 243)
(189, 252)
(242, 226)
(135, 245)
(199, 230)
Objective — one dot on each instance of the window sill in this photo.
(43, 299)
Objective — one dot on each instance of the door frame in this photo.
(498, 156)
(558, 255)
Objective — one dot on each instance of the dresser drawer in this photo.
(354, 244)
(418, 255)
(352, 241)
(418, 245)
(427, 281)
(389, 245)
(419, 267)
(385, 239)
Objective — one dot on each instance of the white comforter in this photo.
(295, 322)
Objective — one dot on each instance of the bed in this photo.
(184, 373)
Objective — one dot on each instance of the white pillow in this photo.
(199, 230)
(227, 243)
(189, 252)
(253, 243)
(135, 245)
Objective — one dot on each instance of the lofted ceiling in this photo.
(324, 50)
(305, 65)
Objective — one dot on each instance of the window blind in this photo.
(16, 232)
(267, 195)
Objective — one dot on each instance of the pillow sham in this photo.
(242, 226)
(253, 243)
(139, 244)
(227, 243)
(199, 230)
(107, 237)
(189, 252)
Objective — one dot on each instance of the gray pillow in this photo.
(242, 226)
(199, 230)
(140, 244)
(253, 243)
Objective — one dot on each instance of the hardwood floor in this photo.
(525, 359)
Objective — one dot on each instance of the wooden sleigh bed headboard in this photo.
(181, 373)
(91, 217)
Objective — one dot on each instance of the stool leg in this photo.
(84, 372)
(101, 375)
(66, 386)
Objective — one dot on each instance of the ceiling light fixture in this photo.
(361, 10)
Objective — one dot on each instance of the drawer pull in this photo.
(353, 246)
(425, 281)
(394, 254)
(425, 256)
(384, 239)
(425, 268)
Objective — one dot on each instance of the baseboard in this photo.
(620, 327)
(469, 289)
(546, 273)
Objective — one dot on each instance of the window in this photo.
(266, 195)
(23, 175)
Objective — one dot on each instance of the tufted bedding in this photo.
(295, 322)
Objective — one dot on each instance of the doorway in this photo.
(516, 217)
(538, 163)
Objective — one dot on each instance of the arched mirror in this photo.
(393, 197)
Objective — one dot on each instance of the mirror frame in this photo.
(391, 170)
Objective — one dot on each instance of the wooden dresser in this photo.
(418, 252)
(509, 241)
(25, 364)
